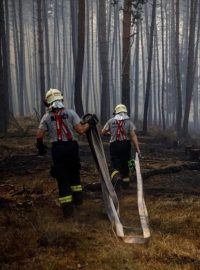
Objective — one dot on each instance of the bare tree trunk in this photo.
(7, 17)
(166, 70)
(21, 60)
(143, 62)
(30, 94)
(64, 39)
(47, 50)
(80, 58)
(126, 54)
(178, 80)
(41, 54)
(35, 61)
(103, 49)
(58, 48)
(190, 66)
(154, 95)
(4, 105)
(158, 78)
(114, 62)
(148, 84)
(54, 70)
(88, 76)
(137, 50)
(74, 8)
(172, 88)
(163, 71)
(196, 99)
(147, 26)
(196, 96)
(16, 54)
(92, 58)
(184, 51)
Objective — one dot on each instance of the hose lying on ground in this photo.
(110, 197)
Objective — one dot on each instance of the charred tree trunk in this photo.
(80, 58)
(190, 66)
(103, 49)
(21, 60)
(7, 27)
(4, 105)
(41, 54)
(73, 10)
(148, 84)
(47, 49)
(126, 54)
(163, 71)
(178, 81)
(137, 50)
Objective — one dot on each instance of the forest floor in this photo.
(34, 234)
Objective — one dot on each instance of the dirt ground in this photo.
(34, 234)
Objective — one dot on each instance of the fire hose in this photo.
(110, 197)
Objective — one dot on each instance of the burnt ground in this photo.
(34, 234)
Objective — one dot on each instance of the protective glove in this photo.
(42, 148)
(91, 119)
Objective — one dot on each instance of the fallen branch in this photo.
(172, 169)
(168, 192)
(149, 173)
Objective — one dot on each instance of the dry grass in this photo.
(35, 236)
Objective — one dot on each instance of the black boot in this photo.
(68, 209)
(116, 179)
(78, 198)
(125, 183)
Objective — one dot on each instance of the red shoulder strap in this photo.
(120, 131)
(60, 126)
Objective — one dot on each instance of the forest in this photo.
(100, 53)
(144, 54)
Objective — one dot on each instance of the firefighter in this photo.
(62, 125)
(122, 132)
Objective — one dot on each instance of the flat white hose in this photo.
(110, 197)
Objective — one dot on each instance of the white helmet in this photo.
(53, 95)
(120, 108)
